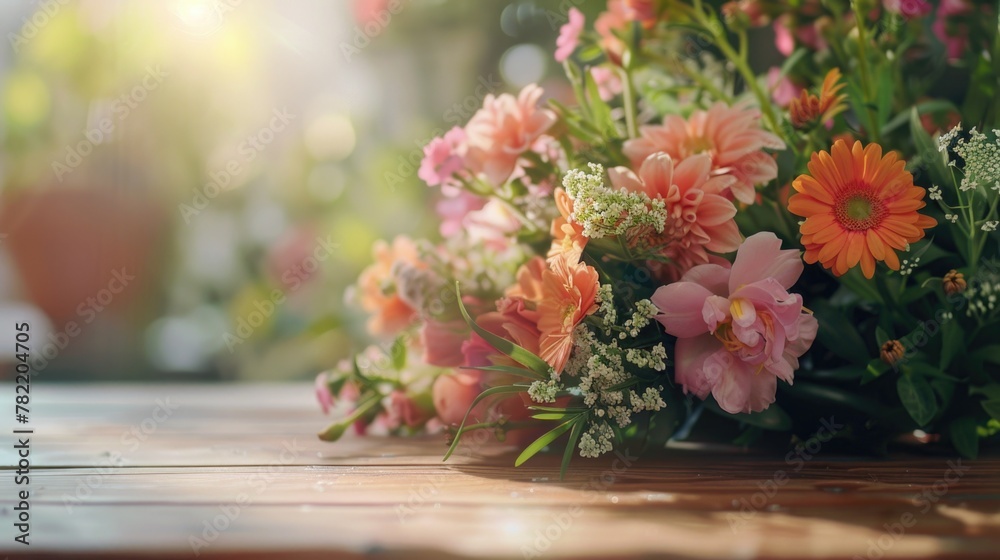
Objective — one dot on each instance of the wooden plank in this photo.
(244, 457)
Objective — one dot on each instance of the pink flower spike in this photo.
(569, 35)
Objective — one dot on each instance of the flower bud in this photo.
(953, 282)
(892, 352)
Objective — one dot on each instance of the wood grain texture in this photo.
(114, 478)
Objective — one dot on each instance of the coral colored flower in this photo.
(402, 410)
(378, 296)
(453, 394)
(859, 207)
(808, 108)
(643, 11)
(442, 342)
(738, 330)
(444, 157)
(529, 281)
(569, 294)
(569, 35)
(697, 218)
(567, 236)
(503, 129)
(732, 136)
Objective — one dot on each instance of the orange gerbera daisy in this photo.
(859, 207)
(569, 294)
(808, 108)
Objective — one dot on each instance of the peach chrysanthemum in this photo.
(569, 294)
(859, 207)
(732, 136)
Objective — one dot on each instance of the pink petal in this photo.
(761, 257)
(680, 306)
(690, 355)
(713, 277)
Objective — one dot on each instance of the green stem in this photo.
(628, 93)
(866, 77)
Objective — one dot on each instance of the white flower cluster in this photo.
(545, 391)
(605, 212)
(980, 154)
(597, 440)
(990, 225)
(644, 311)
(982, 298)
(934, 193)
(908, 267)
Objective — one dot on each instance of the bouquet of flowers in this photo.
(694, 249)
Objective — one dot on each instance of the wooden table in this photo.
(235, 471)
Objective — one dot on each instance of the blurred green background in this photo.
(189, 186)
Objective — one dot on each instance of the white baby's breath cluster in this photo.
(907, 267)
(982, 297)
(605, 212)
(615, 381)
(597, 440)
(980, 154)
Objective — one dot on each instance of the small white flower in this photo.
(991, 225)
(934, 193)
(953, 218)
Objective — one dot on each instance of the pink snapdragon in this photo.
(738, 329)
(569, 35)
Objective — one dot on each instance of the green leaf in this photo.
(927, 149)
(934, 106)
(917, 397)
(991, 391)
(519, 354)
(574, 436)
(793, 60)
(874, 370)
(499, 390)
(992, 407)
(543, 442)
(881, 336)
(772, 418)
(839, 335)
(552, 415)
(398, 354)
(883, 100)
(964, 437)
(952, 343)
